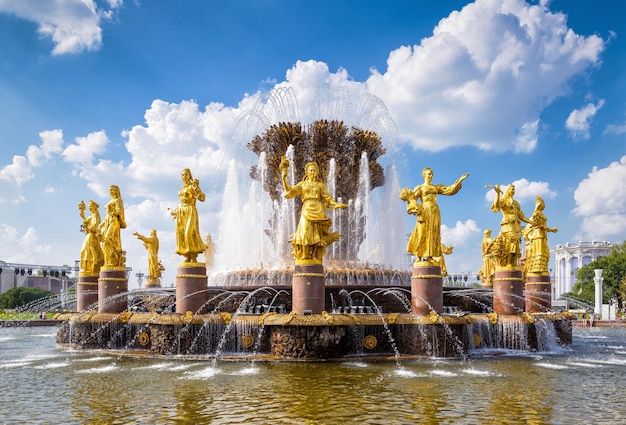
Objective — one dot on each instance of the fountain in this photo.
(329, 294)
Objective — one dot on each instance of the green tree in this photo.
(614, 277)
(17, 297)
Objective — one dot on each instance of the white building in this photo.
(569, 258)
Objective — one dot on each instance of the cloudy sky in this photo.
(94, 93)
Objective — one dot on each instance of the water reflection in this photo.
(47, 385)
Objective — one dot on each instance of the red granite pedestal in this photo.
(112, 290)
(308, 289)
(426, 289)
(538, 293)
(508, 291)
(86, 292)
(191, 288)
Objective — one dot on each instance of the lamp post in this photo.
(598, 298)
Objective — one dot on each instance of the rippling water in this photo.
(582, 384)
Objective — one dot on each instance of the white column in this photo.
(598, 281)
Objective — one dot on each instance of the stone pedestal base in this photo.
(309, 294)
(86, 292)
(426, 289)
(508, 291)
(191, 288)
(538, 293)
(112, 291)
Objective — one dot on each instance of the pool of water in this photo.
(581, 384)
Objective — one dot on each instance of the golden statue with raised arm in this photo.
(110, 228)
(151, 243)
(506, 247)
(425, 240)
(188, 240)
(538, 251)
(91, 257)
(312, 235)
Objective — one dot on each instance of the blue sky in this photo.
(94, 93)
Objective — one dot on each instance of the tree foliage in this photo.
(17, 297)
(614, 277)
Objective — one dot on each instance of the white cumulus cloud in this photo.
(72, 25)
(86, 147)
(601, 201)
(579, 120)
(484, 76)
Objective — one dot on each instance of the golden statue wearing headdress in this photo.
(114, 255)
(188, 240)
(312, 234)
(425, 240)
(91, 257)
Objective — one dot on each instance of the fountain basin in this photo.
(273, 336)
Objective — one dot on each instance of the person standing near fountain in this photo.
(312, 235)
(112, 280)
(151, 243)
(191, 279)
(425, 240)
(188, 240)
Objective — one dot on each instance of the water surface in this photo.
(581, 384)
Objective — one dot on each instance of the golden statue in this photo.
(110, 229)
(188, 240)
(209, 252)
(425, 240)
(536, 233)
(447, 250)
(488, 269)
(312, 235)
(91, 257)
(151, 243)
(506, 247)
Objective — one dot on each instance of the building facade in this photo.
(569, 258)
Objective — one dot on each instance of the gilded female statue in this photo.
(91, 257)
(425, 240)
(507, 246)
(188, 240)
(151, 243)
(538, 252)
(110, 229)
(488, 269)
(312, 235)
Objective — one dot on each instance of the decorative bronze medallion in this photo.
(144, 339)
(246, 340)
(370, 342)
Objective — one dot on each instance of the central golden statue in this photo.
(425, 240)
(188, 240)
(312, 235)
